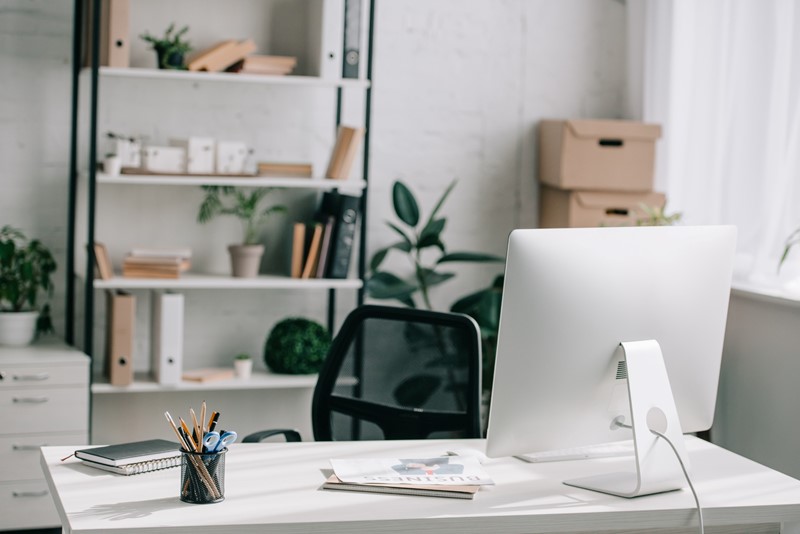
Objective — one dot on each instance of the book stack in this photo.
(256, 64)
(348, 140)
(156, 263)
(323, 247)
(132, 458)
(299, 170)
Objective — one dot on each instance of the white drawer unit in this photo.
(44, 399)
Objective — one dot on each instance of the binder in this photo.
(121, 310)
(166, 342)
(324, 250)
(114, 33)
(345, 210)
(352, 38)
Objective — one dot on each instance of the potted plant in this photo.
(25, 269)
(296, 346)
(171, 49)
(228, 200)
(243, 366)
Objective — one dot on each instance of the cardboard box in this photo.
(601, 155)
(560, 208)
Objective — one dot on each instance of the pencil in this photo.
(197, 433)
(203, 419)
(177, 432)
(188, 435)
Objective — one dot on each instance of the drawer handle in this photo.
(40, 493)
(27, 447)
(38, 377)
(31, 400)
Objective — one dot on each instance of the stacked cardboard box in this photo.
(596, 172)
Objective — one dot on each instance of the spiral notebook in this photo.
(138, 467)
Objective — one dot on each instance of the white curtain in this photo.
(723, 78)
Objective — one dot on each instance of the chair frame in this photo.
(407, 423)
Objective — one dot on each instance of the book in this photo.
(221, 55)
(137, 468)
(257, 64)
(324, 249)
(102, 261)
(154, 266)
(423, 490)
(348, 140)
(177, 252)
(208, 374)
(312, 258)
(300, 170)
(298, 249)
(128, 453)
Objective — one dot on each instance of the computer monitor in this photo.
(570, 297)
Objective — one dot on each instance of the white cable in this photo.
(686, 474)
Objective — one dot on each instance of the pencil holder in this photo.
(202, 477)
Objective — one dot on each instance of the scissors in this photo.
(216, 441)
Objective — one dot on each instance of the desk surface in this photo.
(274, 487)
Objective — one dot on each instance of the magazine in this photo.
(436, 471)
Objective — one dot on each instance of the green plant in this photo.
(657, 216)
(171, 48)
(792, 240)
(296, 346)
(242, 356)
(25, 269)
(482, 305)
(414, 239)
(228, 200)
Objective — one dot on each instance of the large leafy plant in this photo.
(228, 200)
(417, 237)
(25, 270)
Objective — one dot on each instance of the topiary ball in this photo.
(296, 346)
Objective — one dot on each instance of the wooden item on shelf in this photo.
(102, 262)
(114, 34)
(344, 152)
(300, 170)
(138, 171)
(312, 258)
(121, 310)
(154, 266)
(222, 55)
(256, 64)
(298, 249)
(208, 374)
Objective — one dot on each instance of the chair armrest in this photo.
(255, 437)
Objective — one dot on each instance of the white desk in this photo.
(275, 488)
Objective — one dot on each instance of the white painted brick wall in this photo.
(458, 88)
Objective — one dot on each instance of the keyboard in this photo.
(602, 450)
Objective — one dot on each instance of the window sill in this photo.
(785, 295)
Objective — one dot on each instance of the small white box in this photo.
(231, 156)
(166, 159)
(129, 152)
(200, 154)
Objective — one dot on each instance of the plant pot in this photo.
(171, 60)
(243, 369)
(112, 165)
(245, 260)
(17, 329)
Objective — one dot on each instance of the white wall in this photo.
(459, 86)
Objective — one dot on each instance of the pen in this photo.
(213, 422)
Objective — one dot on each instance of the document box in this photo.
(559, 208)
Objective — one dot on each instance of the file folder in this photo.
(166, 342)
(121, 310)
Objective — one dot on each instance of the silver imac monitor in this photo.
(570, 298)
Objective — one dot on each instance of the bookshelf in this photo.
(126, 210)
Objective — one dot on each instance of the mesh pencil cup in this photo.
(202, 477)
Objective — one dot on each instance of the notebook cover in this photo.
(132, 452)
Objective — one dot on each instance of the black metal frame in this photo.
(77, 65)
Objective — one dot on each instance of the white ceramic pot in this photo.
(17, 329)
(112, 165)
(245, 260)
(243, 368)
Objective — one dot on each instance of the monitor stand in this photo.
(652, 407)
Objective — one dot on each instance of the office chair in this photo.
(420, 374)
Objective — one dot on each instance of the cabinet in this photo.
(44, 395)
(283, 118)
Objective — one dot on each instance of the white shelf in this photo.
(239, 181)
(167, 74)
(259, 380)
(224, 281)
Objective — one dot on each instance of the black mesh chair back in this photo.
(420, 377)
